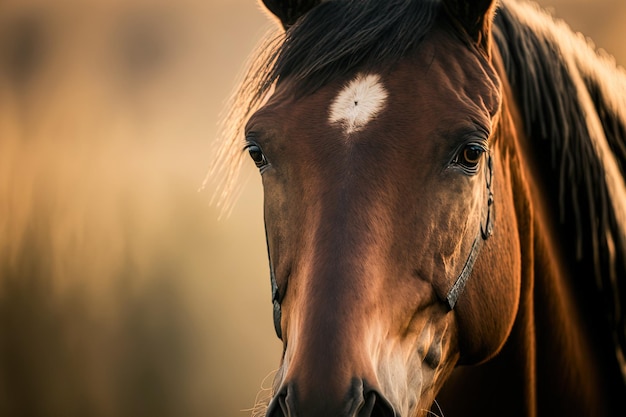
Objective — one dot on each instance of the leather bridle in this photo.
(485, 231)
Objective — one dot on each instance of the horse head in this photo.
(383, 185)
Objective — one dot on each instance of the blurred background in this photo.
(121, 293)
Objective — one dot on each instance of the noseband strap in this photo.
(486, 230)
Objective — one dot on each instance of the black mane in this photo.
(338, 37)
(548, 82)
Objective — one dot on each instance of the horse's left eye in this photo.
(469, 157)
(257, 155)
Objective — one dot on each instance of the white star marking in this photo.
(358, 103)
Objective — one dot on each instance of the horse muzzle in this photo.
(358, 401)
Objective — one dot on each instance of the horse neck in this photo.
(573, 103)
(558, 360)
(565, 354)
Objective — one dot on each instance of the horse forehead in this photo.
(432, 89)
(441, 88)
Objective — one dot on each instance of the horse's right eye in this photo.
(469, 157)
(257, 155)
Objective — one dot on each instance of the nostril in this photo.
(375, 405)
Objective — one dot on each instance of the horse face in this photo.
(375, 192)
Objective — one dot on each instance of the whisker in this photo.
(429, 412)
(432, 413)
(439, 407)
(263, 397)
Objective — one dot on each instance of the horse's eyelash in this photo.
(250, 140)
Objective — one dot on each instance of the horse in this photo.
(444, 206)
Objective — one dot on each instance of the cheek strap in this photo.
(276, 302)
(485, 232)
(275, 292)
